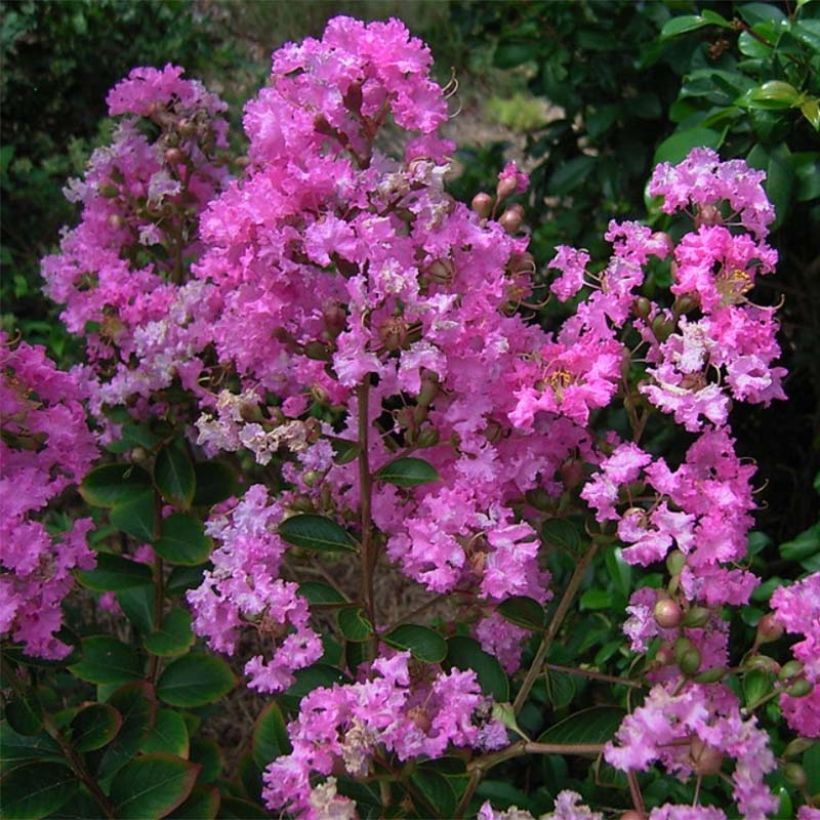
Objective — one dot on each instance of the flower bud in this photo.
(505, 188)
(763, 662)
(642, 307)
(790, 670)
(712, 675)
(769, 629)
(708, 215)
(139, 455)
(482, 204)
(684, 304)
(797, 746)
(675, 562)
(795, 775)
(301, 503)
(173, 156)
(512, 219)
(696, 616)
(572, 473)
(319, 394)
(108, 190)
(687, 656)
(800, 688)
(667, 613)
(311, 478)
(706, 759)
(662, 328)
(428, 437)
(317, 350)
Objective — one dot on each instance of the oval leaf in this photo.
(522, 611)
(114, 573)
(170, 734)
(95, 726)
(135, 516)
(561, 533)
(183, 541)
(152, 786)
(315, 592)
(36, 790)
(194, 680)
(407, 472)
(174, 637)
(683, 24)
(113, 484)
(270, 736)
(174, 475)
(595, 725)
(107, 660)
(314, 532)
(425, 644)
(215, 481)
(676, 147)
(354, 624)
(466, 653)
(202, 804)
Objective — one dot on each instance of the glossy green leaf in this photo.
(36, 790)
(138, 605)
(772, 95)
(314, 532)
(183, 578)
(152, 786)
(135, 516)
(215, 481)
(522, 611)
(407, 472)
(315, 592)
(206, 752)
(561, 688)
(94, 726)
(424, 644)
(195, 680)
(169, 734)
(114, 484)
(570, 175)
(183, 540)
(675, 148)
(25, 715)
(174, 475)
(803, 546)
(682, 25)
(201, 804)
(756, 685)
(436, 792)
(137, 706)
(466, 653)
(594, 599)
(344, 450)
(16, 748)
(270, 736)
(355, 625)
(595, 725)
(174, 637)
(312, 677)
(113, 573)
(619, 571)
(235, 808)
(107, 660)
(561, 533)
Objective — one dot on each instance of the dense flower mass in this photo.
(46, 447)
(363, 357)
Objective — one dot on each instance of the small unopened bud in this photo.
(800, 688)
(642, 307)
(684, 304)
(667, 613)
(572, 473)
(762, 662)
(790, 670)
(798, 746)
(696, 616)
(512, 219)
(319, 394)
(301, 503)
(769, 629)
(428, 437)
(311, 477)
(795, 775)
(482, 204)
(675, 562)
(173, 156)
(317, 350)
(687, 656)
(662, 328)
(505, 188)
(109, 190)
(708, 215)
(712, 675)
(139, 455)
(706, 759)
(539, 498)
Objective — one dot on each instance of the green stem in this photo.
(588, 673)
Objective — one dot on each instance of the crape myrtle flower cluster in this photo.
(331, 296)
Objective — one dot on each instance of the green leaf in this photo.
(595, 725)
(619, 571)
(803, 546)
(560, 688)
(94, 726)
(683, 24)
(355, 625)
(138, 708)
(16, 748)
(182, 578)
(407, 472)
(170, 734)
(754, 13)
(436, 791)
(512, 54)
(107, 660)
(152, 786)
(595, 599)
(174, 475)
(183, 541)
(202, 804)
(195, 680)
(313, 677)
(811, 111)
(424, 644)
(344, 450)
(466, 653)
(561, 533)
(207, 753)
(570, 175)
(522, 611)
(113, 484)
(317, 593)
(25, 715)
(270, 736)
(36, 790)
(314, 532)
(715, 18)
(756, 685)
(772, 95)
(675, 148)
(138, 605)
(235, 808)
(174, 637)
(136, 516)
(113, 573)
(215, 481)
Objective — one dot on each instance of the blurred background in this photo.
(586, 95)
